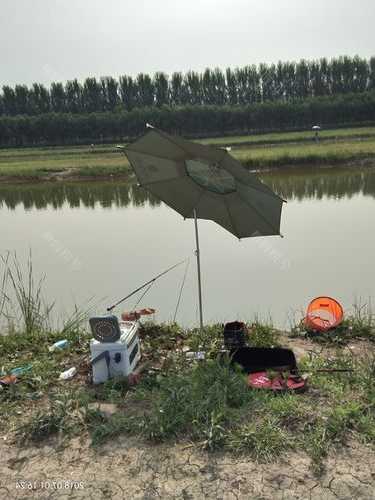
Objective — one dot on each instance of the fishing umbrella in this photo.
(204, 182)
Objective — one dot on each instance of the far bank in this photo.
(332, 148)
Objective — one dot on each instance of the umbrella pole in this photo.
(199, 270)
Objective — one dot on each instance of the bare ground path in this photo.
(128, 469)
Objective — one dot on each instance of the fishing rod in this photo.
(333, 370)
(307, 374)
(145, 284)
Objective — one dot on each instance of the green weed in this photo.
(264, 440)
(366, 428)
(113, 390)
(316, 444)
(102, 429)
(198, 403)
(46, 422)
(262, 335)
(342, 420)
(32, 312)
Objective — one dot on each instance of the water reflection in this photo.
(292, 183)
(89, 195)
(316, 183)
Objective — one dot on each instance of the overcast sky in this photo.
(57, 40)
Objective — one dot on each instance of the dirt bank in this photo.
(127, 469)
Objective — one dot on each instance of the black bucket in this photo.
(235, 334)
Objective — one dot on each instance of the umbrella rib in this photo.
(170, 139)
(230, 217)
(266, 189)
(201, 194)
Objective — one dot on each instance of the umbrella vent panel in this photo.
(210, 176)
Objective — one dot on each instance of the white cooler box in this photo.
(116, 359)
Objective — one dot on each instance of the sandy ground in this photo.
(127, 469)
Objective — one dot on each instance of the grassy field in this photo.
(303, 136)
(75, 161)
(261, 151)
(324, 153)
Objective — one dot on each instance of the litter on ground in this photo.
(68, 374)
(59, 345)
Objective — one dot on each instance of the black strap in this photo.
(104, 354)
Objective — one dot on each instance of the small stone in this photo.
(107, 409)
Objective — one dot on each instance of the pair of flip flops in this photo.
(282, 382)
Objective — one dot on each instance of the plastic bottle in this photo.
(196, 355)
(59, 345)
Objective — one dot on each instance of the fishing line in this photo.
(145, 284)
(141, 297)
(181, 289)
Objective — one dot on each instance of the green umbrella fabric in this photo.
(193, 177)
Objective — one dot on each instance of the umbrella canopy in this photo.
(205, 181)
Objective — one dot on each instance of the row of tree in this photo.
(248, 85)
(69, 128)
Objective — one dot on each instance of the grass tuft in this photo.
(198, 403)
(31, 310)
(264, 441)
(46, 422)
(262, 335)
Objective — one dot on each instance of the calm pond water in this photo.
(102, 240)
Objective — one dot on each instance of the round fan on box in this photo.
(105, 328)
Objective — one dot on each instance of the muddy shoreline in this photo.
(70, 176)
